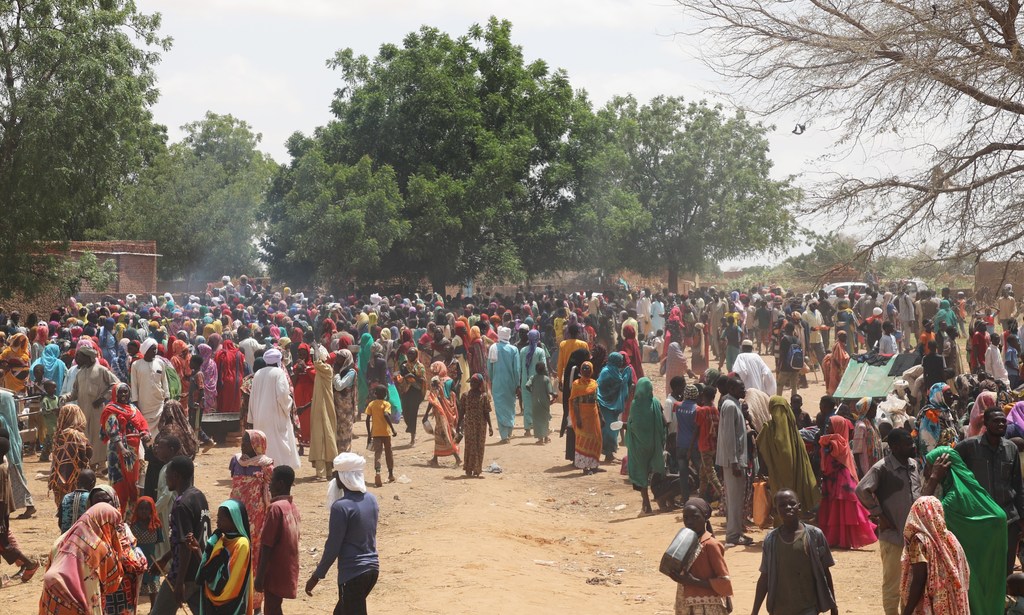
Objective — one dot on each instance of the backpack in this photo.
(795, 356)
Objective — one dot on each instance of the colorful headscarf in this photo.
(948, 572)
(258, 440)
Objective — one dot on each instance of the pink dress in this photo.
(841, 516)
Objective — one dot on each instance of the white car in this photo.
(859, 287)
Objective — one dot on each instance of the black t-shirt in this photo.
(190, 514)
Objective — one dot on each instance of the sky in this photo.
(264, 61)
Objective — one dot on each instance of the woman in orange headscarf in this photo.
(586, 420)
(841, 516)
(834, 365)
(15, 361)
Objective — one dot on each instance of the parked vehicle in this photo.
(858, 287)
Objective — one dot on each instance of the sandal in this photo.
(744, 541)
(28, 573)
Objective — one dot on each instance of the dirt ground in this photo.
(539, 537)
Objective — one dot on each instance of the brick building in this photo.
(135, 261)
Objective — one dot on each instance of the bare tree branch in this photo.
(878, 67)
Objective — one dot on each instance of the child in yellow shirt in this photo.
(380, 430)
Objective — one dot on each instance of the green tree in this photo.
(480, 143)
(331, 223)
(199, 200)
(87, 268)
(76, 87)
(702, 178)
(828, 253)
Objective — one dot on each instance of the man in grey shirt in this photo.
(888, 490)
(731, 456)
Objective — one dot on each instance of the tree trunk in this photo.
(673, 277)
(437, 285)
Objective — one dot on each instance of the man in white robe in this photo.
(270, 410)
(753, 371)
(150, 389)
(91, 392)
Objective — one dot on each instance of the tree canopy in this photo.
(702, 181)
(454, 158)
(449, 158)
(75, 122)
(199, 200)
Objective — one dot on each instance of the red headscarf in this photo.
(631, 350)
(126, 415)
(838, 441)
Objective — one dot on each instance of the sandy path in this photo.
(539, 537)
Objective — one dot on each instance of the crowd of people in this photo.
(119, 389)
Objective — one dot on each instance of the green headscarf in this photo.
(238, 517)
(945, 317)
(784, 453)
(980, 526)
(227, 579)
(645, 435)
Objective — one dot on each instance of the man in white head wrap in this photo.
(349, 474)
(353, 524)
(270, 410)
(150, 388)
(503, 371)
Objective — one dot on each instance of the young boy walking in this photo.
(795, 576)
(190, 521)
(280, 544)
(380, 430)
(49, 408)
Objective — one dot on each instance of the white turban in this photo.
(504, 334)
(272, 356)
(349, 467)
(146, 345)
